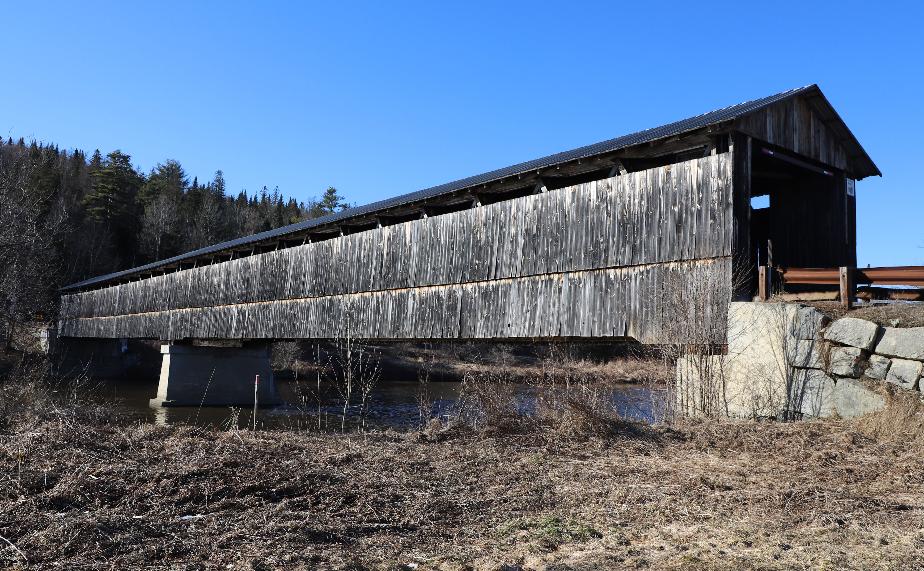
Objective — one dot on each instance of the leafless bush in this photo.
(755, 377)
(578, 409)
(285, 357)
(559, 401)
(32, 391)
(344, 367)
(424, 396)
(574, 401)
(355, 370)
(694, 305)
(772, 390)
(489, 401)
(233, 422)
(344, 370)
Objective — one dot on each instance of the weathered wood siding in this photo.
(593, 260)
(793, 124)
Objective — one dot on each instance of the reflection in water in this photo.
(392, 404)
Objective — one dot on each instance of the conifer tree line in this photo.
(65, 217)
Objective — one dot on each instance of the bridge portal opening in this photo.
(802, 212)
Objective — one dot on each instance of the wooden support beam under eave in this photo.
(618, 168)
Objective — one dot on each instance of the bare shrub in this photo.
(32, 391)
(577, 410)
(344, 373)
(344, 367)
(557, 402)
(424, 396)
(572, 400)
(233, 422)
(285, 356)
(354, 370)
(773, 390)
(755, 375)
(488, 401)
(694, 306)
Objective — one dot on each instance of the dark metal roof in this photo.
(625, 141)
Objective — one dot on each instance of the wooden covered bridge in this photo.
(588, 243)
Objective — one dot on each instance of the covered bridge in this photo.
(588, 243)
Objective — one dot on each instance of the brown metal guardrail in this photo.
(846, 278)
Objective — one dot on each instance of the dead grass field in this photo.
(82, 493)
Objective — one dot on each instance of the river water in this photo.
(393, 403)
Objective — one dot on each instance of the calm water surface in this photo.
(392, 403)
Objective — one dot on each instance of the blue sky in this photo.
(379, 99)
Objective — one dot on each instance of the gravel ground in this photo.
(81, 492)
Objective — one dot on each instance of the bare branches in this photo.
(31, 218)
(697, 305)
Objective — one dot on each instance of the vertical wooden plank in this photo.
(741, 217)
(763, 283)
(847, 286)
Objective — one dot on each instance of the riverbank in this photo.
(80, 491)
(628, 363)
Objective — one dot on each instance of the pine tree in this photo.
(115, 185)
(331, 202)
(165, 206)
(46, 176)
(112, 203)
(166, 178)
(96, 162)
(219, 183)
(101, 206)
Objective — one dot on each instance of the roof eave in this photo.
(864, 165)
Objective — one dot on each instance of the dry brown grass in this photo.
(625, 370)
(887, 315)
(629, 363)
(902, 420)
(701, 495)
(558, 401)
(31, 392)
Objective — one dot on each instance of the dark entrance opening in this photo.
(802, 214)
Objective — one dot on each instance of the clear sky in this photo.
(384, 98)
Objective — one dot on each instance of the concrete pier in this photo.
(214, 376)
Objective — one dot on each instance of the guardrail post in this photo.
(848, 289)
(763, 283)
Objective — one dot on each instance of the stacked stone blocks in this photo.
(863, 348)
(791, 361)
